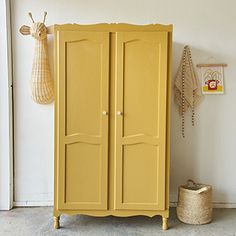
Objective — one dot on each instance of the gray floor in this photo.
(38, 221)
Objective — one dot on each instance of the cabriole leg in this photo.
(164, 223)
(56, 220)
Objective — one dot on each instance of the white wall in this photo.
(207, 154)
(6, 157)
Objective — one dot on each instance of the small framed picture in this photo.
(212, 78)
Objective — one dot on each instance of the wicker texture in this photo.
(195, 203)
(41, 83)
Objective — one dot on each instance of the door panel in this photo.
(83, 64)
(83, 160)
(141, 120)
(140, 88)
(137, 176)
(83, 132)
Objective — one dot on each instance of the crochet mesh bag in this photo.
(187, 88)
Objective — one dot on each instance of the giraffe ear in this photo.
(25, 30)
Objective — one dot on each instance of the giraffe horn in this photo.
(44, 17)
(31, 17)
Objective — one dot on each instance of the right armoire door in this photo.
(141, 89)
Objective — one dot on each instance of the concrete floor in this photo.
(39, 221)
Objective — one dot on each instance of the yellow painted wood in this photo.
(112, 115)
(168, 119)
(146, 138)
(56, 222)
(119, 213)
(164, 223)
(113, 27)
(83, 131)
(141, 129)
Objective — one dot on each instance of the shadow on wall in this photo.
(51, 53)
(193, 157)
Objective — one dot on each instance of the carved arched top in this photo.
(113, 27)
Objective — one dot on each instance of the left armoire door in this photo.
(83, 85)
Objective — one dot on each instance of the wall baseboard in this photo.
(50, 203)
(32, 203)
(215, 204)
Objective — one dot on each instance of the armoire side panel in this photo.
(141, 82)
(83, 131)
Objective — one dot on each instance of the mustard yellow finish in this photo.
(112, 120)
(83, 130)
(141, 129)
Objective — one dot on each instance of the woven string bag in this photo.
(194, 203)
(186, 87)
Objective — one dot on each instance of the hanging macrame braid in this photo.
(191, 66)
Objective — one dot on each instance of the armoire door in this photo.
(83, 69)
(141, 84)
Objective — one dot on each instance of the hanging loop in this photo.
(191, 182)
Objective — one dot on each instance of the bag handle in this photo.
(190, 181)
(201, 190)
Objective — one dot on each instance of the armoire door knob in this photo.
(119, 113)
(105, 113)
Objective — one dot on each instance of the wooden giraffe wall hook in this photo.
(41, 83)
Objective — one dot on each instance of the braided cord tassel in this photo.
(193, 111)
(183, 91)
(193, 105)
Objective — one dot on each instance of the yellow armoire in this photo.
(112, 120)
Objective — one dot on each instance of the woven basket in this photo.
(41, 83)
(195, 203)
